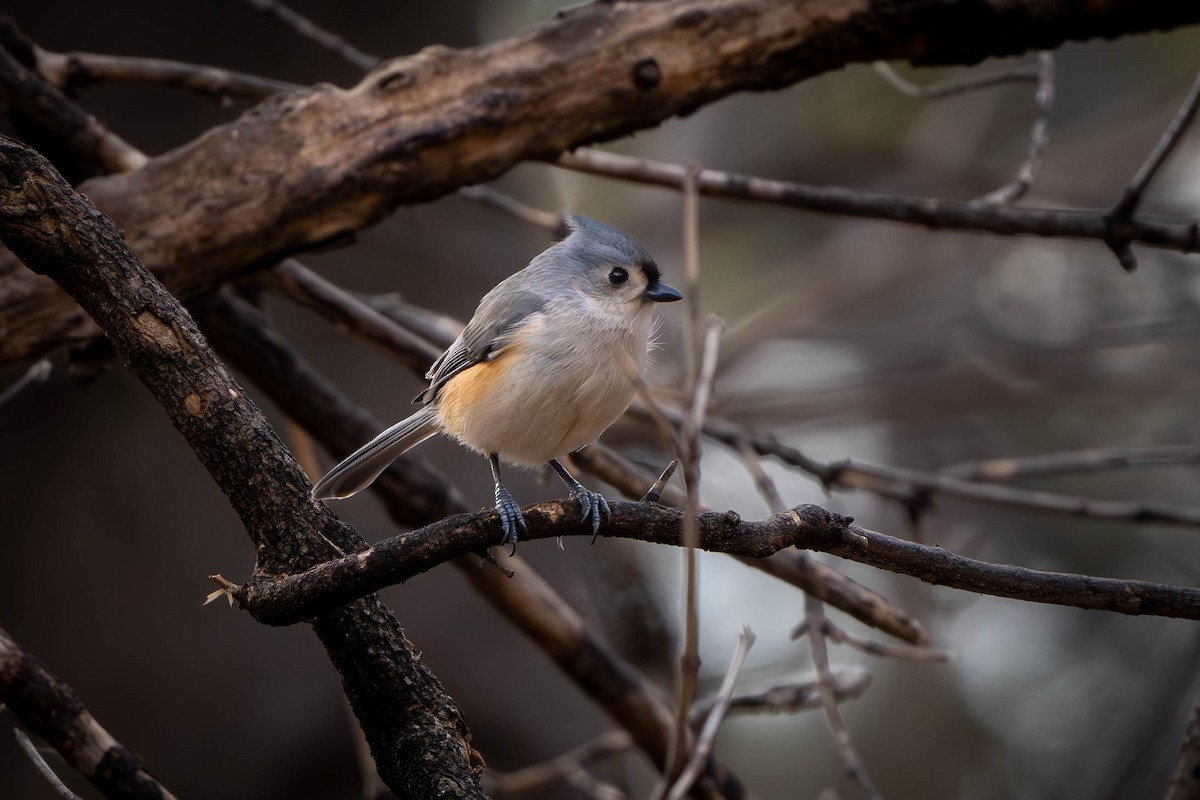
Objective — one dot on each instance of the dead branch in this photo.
(288, 600)
(51, 709)
(418, 737)
(306, 168)
(928, 212)
(1185, 779)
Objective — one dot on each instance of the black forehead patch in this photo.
(650, 270)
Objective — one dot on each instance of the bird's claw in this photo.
(511, 519)
(592, 505)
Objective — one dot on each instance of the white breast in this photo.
(556, 394)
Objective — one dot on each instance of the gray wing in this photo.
(497, 317)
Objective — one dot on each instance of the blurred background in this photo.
(850, 339)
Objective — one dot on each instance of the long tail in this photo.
(359, 470)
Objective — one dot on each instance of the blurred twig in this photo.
(848, 683)
(75, 70)
(1185, 779)
(1022, 73)
(796, 568)
(917, 489)
(1121, 218)
(1093, 459)
(712, 722)
(928, 212)
(1039, 136)
(42, 766)
(814, 616)
(36, 373)
(511, 784)
(311, 31)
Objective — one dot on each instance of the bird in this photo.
(551, 358)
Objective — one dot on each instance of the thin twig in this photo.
(712, 723)
(1022, 73)
(1185, 778)
(311, 31)
(849, 683)
(39, 371)
(795, 568)
(1120, 219)
(75, 70)
(1039, 137)
(607, 745)
(1127, 206)
(350, 313)
(486, 195)
(928, 212)
(42, 766)
(917, 489)
(698, 388)
(814, 612)
(1089, 460)
(839, 635)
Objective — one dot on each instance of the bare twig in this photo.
(1090, 460)
(814, 613)
(1022, 73)
(928, 212)
(712, 723)
(76, 70)
(37, 372)
(22, 87)
(488, 196)
(1039, 136)
(43, 767)
(1185, 778)
(311, 31)
(350, 313)
(798, 568)
(1127, 206)
(1121, 217)
(841, 636)
(701, 353)
(917, 489)
(608, 745)
(849, 682)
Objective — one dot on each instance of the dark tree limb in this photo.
(417, 735)
(414, 494)
(293, 598)
(51, 709)
(310, 167)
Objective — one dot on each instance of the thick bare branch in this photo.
(309, 167)
(417, 734)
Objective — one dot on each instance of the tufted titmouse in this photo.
(547, 363)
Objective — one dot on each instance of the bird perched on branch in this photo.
(549, 360)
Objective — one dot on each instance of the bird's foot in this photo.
(592, 505)
(512, 521)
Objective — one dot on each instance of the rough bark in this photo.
(417, 735)
(316, 165)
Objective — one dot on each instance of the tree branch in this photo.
(418, 738)
(288, 600)
(51, 709)
(310, 167)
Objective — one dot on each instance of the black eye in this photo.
(618, 276)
